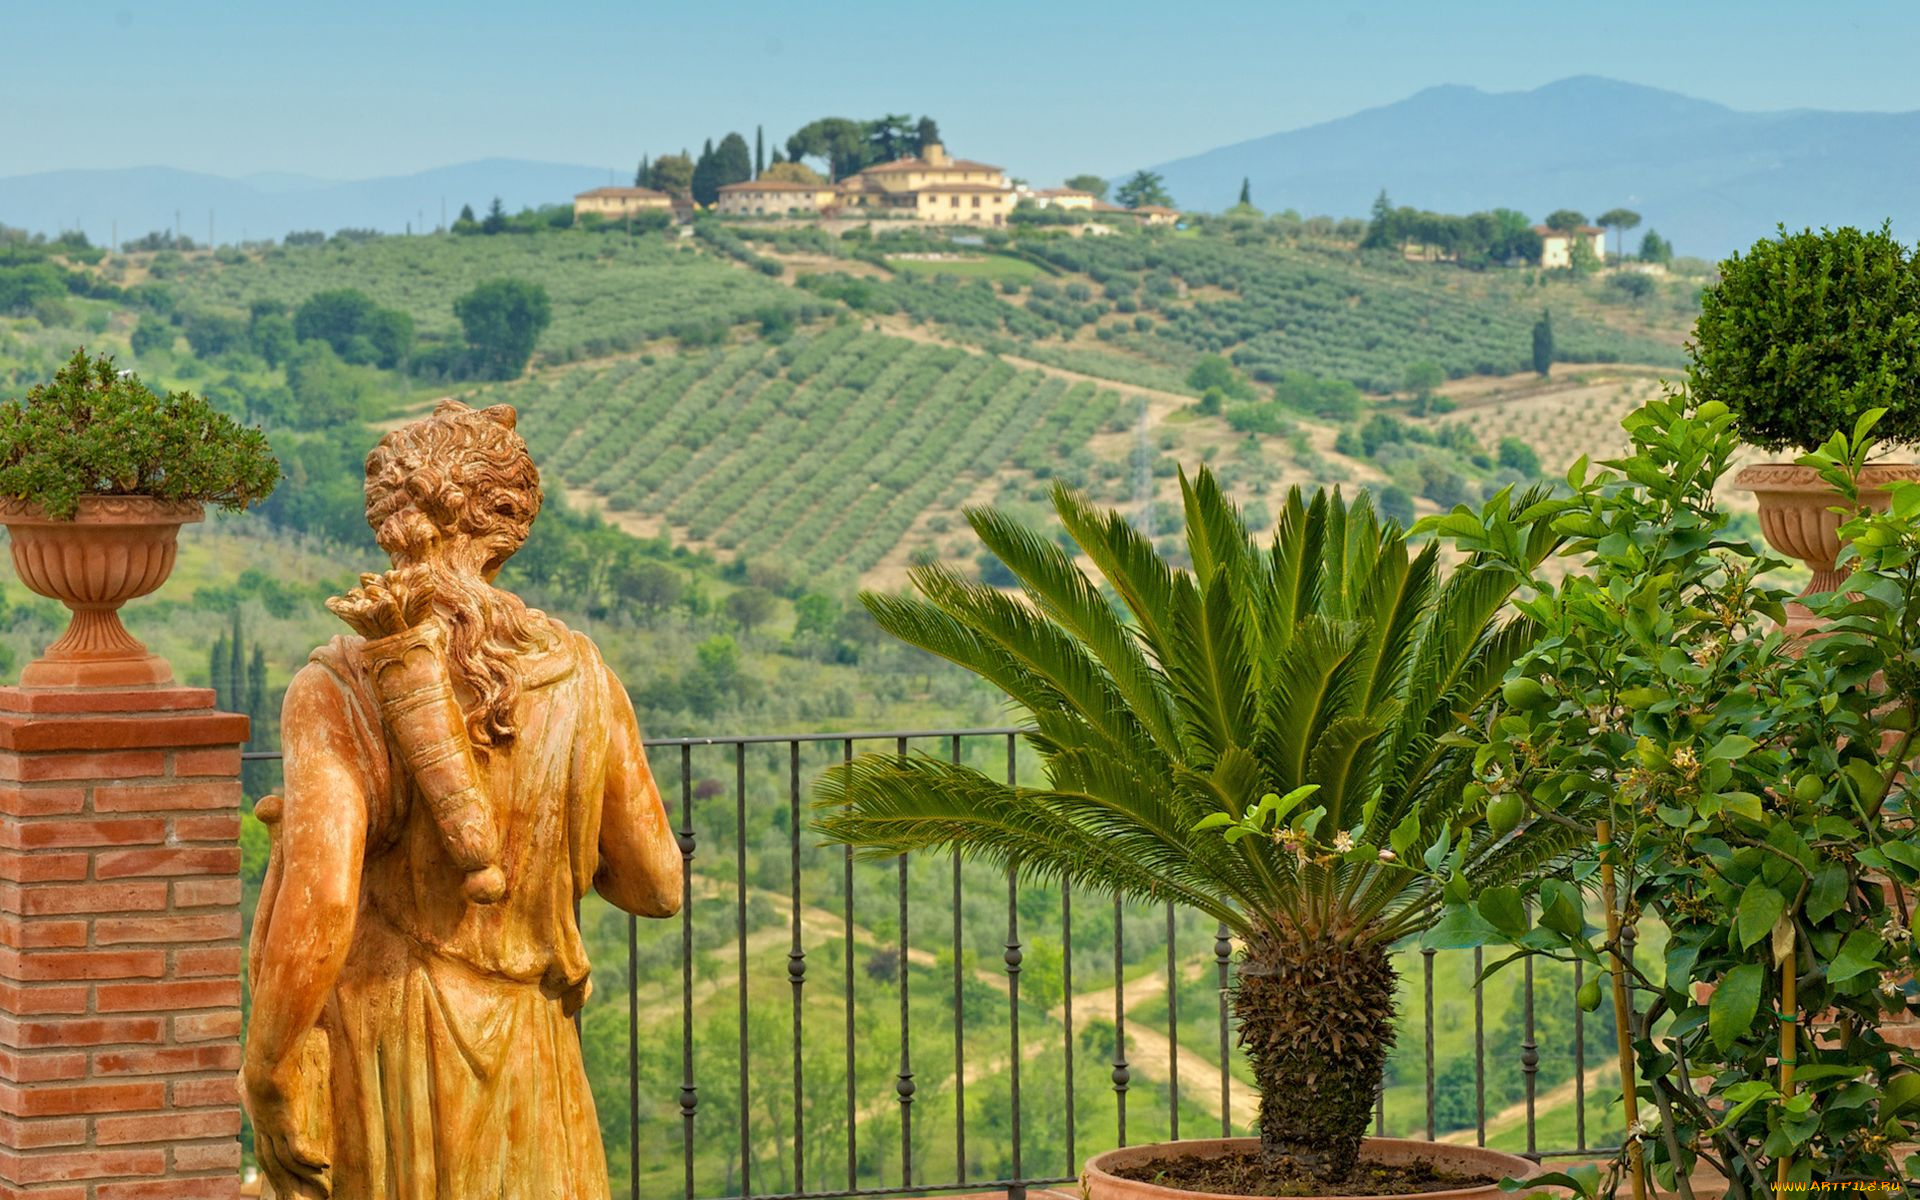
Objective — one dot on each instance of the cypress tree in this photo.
(706, 189)
(1543, 343)
(644, 176)
(236, 698)
(759, 152)
(218, 671)
(1246, 191)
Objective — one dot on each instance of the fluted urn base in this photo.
(1798, 518)
(115, 549)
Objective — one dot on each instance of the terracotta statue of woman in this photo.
(458, 775)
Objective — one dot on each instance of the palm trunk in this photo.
(1316, 1021)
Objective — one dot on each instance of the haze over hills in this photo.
(270, 205)
(1709, 178)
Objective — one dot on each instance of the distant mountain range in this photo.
(140, 199)
(1709, 178)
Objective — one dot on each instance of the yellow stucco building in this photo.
(931, 187)
(613, 203)
(773, 198)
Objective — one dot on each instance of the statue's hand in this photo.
(384, 605)
(296, 1165)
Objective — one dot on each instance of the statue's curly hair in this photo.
(458, 492)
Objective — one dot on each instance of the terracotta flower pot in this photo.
(1797, 520)
(1097, 1181)
(115, 548)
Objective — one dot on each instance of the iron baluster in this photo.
(689, 1095)
(1121, 1075)
(740, 941)
(796, 971)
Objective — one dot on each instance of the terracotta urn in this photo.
(1797, 518)
(115, 549)
(1098, 1182)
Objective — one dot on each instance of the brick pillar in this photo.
(119, 945)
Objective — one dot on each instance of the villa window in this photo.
(954, 201)
(976, 202)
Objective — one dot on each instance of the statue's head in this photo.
(457, 486)
(455, 494)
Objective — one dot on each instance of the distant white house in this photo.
(1556, 246)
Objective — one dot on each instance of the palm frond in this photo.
(887, 805)
(1063, 592)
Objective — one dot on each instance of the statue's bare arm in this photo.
(321, 842)
(640, 865)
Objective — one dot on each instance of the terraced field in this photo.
(823, 451)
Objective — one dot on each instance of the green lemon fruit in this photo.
(1590, 994)
(1503, 813)
(1524, 694)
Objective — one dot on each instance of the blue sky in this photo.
(352, 88)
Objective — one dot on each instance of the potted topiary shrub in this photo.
(1801, 336)
(97, 474)
(1268, 738)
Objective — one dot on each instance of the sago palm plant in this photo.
(1323, 673)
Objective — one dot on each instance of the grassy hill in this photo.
(765, 417)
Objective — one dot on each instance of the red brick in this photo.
(87, 1164)
(166, 860)
(90, 898)
(74, 831)
(42, 867)
(17, 801)
(200, 927)
(200, 1093)
(31, 1067)
(222, 760)
(99, 734)
(167, 1127)
(84, 1031)
(68, 1099)
(61, 965)
(205, 893)
(203, 1027)
(207, 960)
(32, 1000)
(166, 997)
(94, 701)
(71, 1191)
(26, 934)
(83, 764)
(168, 1060)
(206, 1187)
(32, 1135)
(166, 797)
(212, 827)
(212, 1156)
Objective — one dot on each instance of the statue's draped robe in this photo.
(455, 1070)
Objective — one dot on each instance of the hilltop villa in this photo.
(614, 203)
(1556, 247)
(932, 187)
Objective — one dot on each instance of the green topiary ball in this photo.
(1806, 331)
(95, 431)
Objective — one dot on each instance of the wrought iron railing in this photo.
(739, 1143)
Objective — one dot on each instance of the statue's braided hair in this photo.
(458, 492)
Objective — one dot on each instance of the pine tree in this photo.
(466, 213)
(1246, 191)
(759, 152)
